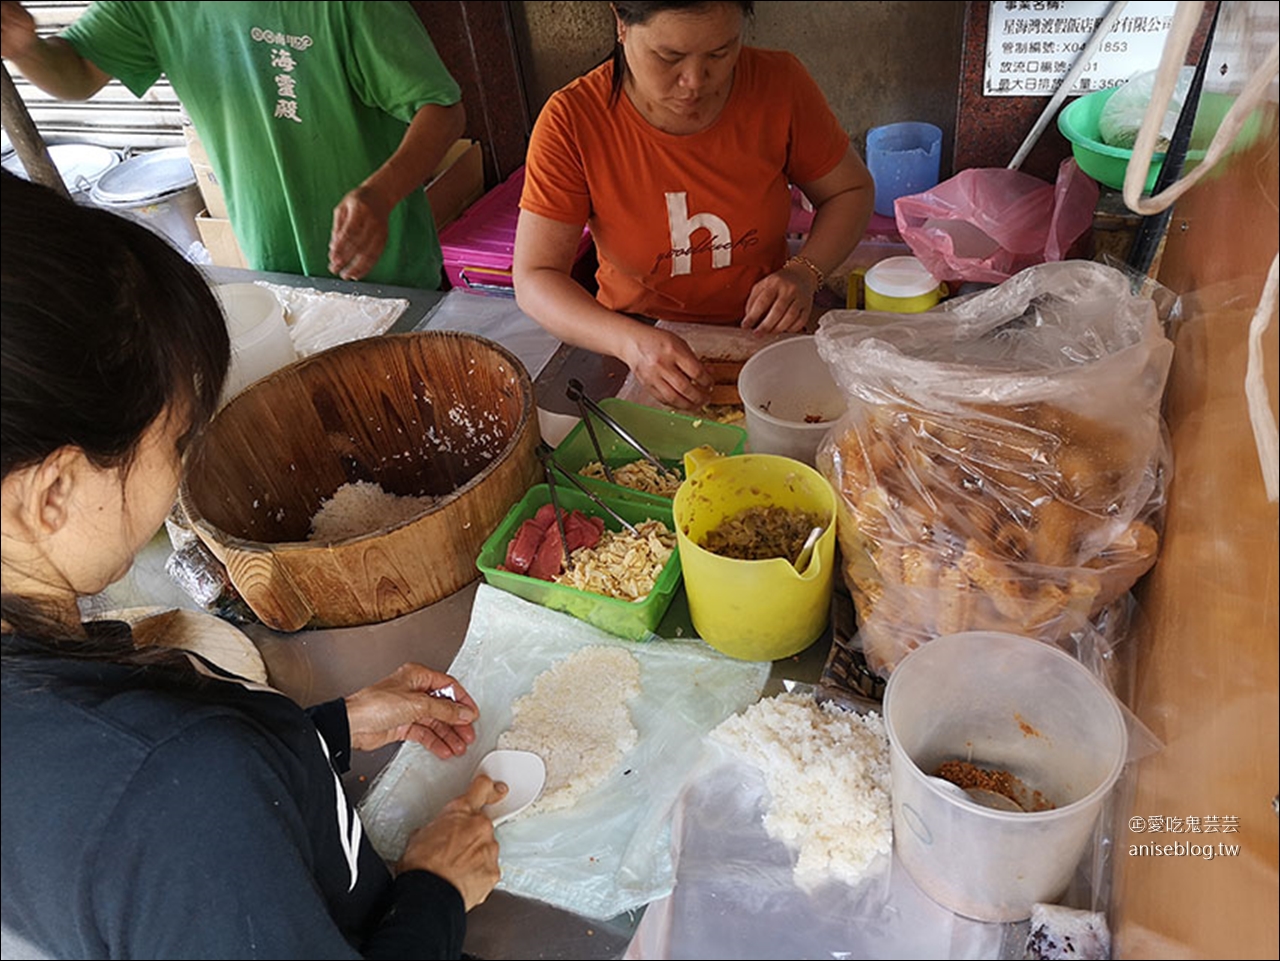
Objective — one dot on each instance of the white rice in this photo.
(362, 508)
(827, 771)
(576, 719)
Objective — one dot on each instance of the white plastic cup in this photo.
(1005, 703)
(789, 399)
(904, 159)
(260, 340)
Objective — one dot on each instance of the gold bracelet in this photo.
(813, 268)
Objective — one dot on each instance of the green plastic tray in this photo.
(634, 620)
(667, 434)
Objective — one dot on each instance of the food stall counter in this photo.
(313, 666)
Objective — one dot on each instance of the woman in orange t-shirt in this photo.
(679, 155)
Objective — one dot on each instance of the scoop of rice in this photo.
(576, 719)
(362, 508)
(827, 771)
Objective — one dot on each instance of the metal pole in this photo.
(26, 138)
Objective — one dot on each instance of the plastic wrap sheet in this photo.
(1002, 464)
(711, 342)
(499, 319)
(735, 897)
(611, 852)
(319, 320)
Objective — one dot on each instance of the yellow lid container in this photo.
(901, 285)
(753, 610)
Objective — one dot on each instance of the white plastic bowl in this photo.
(789, 398)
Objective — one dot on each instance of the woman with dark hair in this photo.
(679, 154)
(155, 805)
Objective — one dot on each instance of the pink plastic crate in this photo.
(479, 246)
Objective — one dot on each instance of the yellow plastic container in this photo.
(901, 285)
(753, 610)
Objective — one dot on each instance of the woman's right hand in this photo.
(459, 845)
(667, 366)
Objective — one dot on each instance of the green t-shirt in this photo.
(296, 104)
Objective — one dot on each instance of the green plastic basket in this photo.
(1106, 164)
(631, 619)
(667, 434)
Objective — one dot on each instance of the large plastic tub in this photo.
(668, 436)
(634, 620)
(479, 247)
(1004, 703)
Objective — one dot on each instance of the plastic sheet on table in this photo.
(611, 851)
(319, 319)
(735, 896)
(498, 319)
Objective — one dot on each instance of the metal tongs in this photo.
(548, 463)
(586, 406)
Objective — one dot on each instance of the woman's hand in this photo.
(459, 844)
(782, 301)
(414, 704)
(667, 366)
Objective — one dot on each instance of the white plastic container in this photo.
(789, 398)
(260, 341)
(1004, 703)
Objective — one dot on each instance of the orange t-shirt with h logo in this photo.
(684, 226)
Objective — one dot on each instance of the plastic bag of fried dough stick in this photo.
(1002, 462)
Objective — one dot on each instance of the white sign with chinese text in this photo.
(1031, 44)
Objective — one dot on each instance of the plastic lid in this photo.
(81, 164)
(147, 176)
(900, 277)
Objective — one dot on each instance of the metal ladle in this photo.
(978, 795)
(806, 552)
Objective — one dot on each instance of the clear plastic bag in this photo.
(736, 897)
(988, 223)
(1121, 116)
(1002, 463)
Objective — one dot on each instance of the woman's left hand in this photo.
(782, 301)
(409, 705)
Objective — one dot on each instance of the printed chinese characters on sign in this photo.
(1032, 45)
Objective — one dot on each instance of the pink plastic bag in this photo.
(989, 223)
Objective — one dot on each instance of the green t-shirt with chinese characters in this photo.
(296, 104)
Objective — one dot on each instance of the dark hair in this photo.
(105, 327)
(632, 13)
